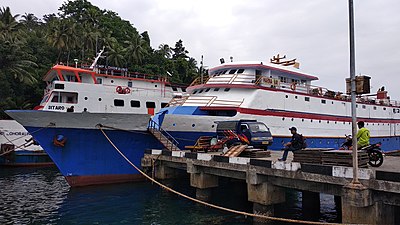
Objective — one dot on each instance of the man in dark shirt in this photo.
(293, 145)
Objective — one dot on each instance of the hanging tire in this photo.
(375, 158)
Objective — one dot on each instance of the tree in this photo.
(165, 51)
(179, 50)
(8, 22)
(135, 50)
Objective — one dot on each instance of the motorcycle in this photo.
(374, 151)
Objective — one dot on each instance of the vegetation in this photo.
(29, 46)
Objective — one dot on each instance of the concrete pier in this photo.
(375, 201)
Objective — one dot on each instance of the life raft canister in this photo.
(59, 140)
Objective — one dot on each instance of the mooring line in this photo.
(206, 203)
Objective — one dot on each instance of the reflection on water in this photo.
(41, 196)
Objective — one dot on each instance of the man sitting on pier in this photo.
(362, 135)
(296, 143)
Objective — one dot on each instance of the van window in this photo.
(258, 127)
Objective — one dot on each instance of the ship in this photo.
(280, 95)
(18, 148)
(77, 101)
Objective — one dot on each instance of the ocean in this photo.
(42, 196)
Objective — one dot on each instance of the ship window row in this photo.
(323, 101)
(232, 71)
(136, 104)
(336, 122)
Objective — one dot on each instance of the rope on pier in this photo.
(206, 203)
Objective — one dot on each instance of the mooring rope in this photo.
(206, 203)
(16, 147)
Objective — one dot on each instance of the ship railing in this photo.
(163, 136)
(199, 81)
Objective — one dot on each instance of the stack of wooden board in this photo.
(309, 155)
(255, 153)
(344, 158)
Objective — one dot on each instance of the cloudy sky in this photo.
(313, 31)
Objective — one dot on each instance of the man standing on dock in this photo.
(295, 144)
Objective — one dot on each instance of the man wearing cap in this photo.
(293, 145)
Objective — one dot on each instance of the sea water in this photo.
(42, 196)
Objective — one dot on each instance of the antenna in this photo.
(97, 58)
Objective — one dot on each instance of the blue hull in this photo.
(26, 158)
(88, 158)
(388, 143)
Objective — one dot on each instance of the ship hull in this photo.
(87, 157)
(26, 158)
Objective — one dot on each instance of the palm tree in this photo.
(135, 50)
(8, 22)
(165, 51)
(115, 55)
(29, 20)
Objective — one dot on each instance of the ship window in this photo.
(99, 80)
(174, 89)
(240, 70)
(183, 89)
(99, 99)
(216, 89)
(119, 102)
(323, 101)
(195, 91)
(283, 79)
(287, 96)
(384, 108)
(363, 106)
(374, 107)
(163, 104)
(135, 104)
(307, 99)
(56, 98)
(112, 81)
(227, 89)
(207, 90)
(232, 71)
(130, 84)
(150, 105)
(224, 72)
(58, 86)
(201, 91)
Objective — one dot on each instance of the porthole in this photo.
(311, 121)
(295, 97)
(99, 99)
(86, 98)
(174, 124)
(212, 126)
(155, 85)
(335, 122)
(112, 81)
(283, 118)
(292, 119)
(302, 120)
(287, 96)
(320, 121)
(193, 125)
(327, 121)
(85, 109)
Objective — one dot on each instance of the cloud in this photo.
(314, 31)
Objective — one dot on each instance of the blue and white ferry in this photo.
(279, 94)
(76, 100)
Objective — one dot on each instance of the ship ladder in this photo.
(163, 136)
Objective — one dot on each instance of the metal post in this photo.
(353, 94)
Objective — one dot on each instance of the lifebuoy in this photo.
(59, 140)
(119, 90)
(293, 86)
(127, 90)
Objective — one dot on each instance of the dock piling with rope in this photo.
(376, 202)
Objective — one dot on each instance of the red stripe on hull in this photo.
(301, 115)
(78, 181)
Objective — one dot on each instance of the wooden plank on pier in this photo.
(309, 155)
(235, 150)
(344, 158)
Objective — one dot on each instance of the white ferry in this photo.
(279, 94)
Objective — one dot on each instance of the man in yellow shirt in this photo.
(362, 135)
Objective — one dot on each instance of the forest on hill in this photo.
(30, 46)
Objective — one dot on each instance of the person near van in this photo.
(362, 135)
(294, 144)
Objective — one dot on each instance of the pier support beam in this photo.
(163, 172)
(358, 207)
(264, 196)
(203, 183)
(311, 203)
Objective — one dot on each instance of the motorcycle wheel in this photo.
(375, 158)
